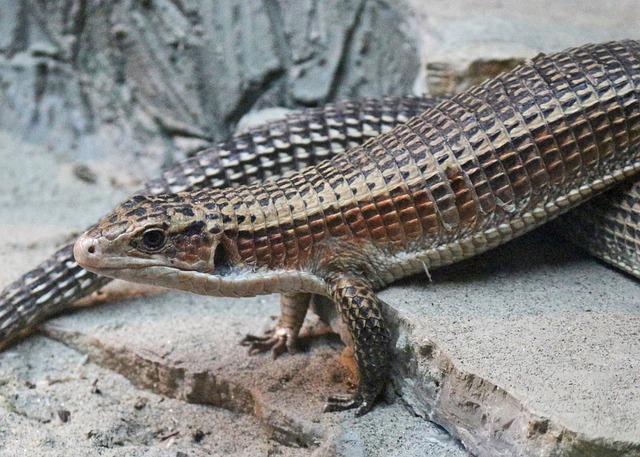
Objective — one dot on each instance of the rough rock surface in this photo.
(532, 349)
(149, 81)
(533, 357)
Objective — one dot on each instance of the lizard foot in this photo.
(277, 341)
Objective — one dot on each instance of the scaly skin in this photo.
(467, 175)
(606, 226)
(270, 150)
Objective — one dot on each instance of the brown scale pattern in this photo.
(54, 284)
(486, 156)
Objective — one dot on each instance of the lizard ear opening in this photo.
(220, 257)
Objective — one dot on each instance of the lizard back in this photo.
(465, 176)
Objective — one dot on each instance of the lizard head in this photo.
(182, 241)
(146, 232)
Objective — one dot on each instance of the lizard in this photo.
(466, 175)
(269, 150)
(606, 226)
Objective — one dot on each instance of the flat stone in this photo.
(186, 347)
(54, 402)
(531, 349)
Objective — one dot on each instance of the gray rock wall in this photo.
(153, 80)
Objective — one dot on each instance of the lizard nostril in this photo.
(87, 251)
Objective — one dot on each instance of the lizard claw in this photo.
(277, 341)
(361, 405)
(362, 400)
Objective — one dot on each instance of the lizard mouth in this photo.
(225, 279)
(92, 253)
(233, 283)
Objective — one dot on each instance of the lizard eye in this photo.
(153, 239)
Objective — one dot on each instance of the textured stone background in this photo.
(149, 81)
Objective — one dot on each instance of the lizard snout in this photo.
(87, 251)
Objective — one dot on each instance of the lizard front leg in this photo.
(293, 309)
(361, 313)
